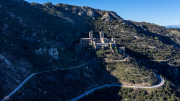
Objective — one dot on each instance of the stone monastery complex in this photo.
(97, 43)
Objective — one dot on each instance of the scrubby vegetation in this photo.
(67, 84)
(39, 27)
(26, 28)
(109, 54)
(145, 41)
(141, 38)
(64, 85)
(129, 74)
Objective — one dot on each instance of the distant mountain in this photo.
(173, 26)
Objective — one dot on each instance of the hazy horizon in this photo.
(173, 26)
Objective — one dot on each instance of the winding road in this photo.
(87, 92)
(112, 85)
(17, 88)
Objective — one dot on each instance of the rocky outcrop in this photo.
(52, 52)
(109, 16)
(90, 12)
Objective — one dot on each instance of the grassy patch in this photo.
(132, 74)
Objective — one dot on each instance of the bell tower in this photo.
(90, 34)
(101, 34)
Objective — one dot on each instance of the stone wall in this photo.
(85, 42)
(100, 45)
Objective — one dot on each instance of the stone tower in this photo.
(101, 34)
(90, 34)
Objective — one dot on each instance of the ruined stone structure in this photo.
(97, 43)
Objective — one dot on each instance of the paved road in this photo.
(14, 91)
(162, 60)
(112, 85)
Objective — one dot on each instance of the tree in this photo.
(110, 46)
(134, 29)
(156, 38)
(99, 54)
(115, 48)
(102, 48)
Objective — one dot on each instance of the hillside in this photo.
(67, 84)
(146, 41)
(37, 37)
(34, 40)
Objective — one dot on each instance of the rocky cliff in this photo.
(89, 12)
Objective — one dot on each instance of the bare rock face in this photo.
(12, 74)
(81, 13)
(48, 5)
(114, 14)
(39, 51)
(84, 11)
(109, 16)
(74, 10)
(90, 13)
(52, 52)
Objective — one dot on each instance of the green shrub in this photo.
(100, 54)
(156, 38)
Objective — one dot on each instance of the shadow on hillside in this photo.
(1, 89)
(105, 94)
(67, 84)
(162, 68)
(64, 84)
(102, 76)
(162, 38)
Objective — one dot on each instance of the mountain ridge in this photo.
(31, 33)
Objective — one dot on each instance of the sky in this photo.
(161, 12)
